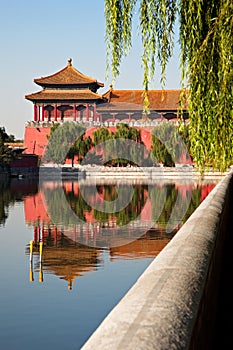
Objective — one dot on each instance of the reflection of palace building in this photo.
(68, 95)
(69, 252)
(66, 259)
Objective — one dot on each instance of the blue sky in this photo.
(38, 37)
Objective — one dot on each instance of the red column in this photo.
(36, 234)
(55, 112)
(55, 235)
(87, 112)
(42, 113)
(95, 114)
(35, 112)
(38, 115)
(43, 234)
(74, 113)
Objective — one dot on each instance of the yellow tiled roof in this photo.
(67, 76)
(159, 99)
(63, 95)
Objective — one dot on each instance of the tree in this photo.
(161, 153)
(6, 153)
(122, 147)
(61, 139)
(81, 146)
(206, 45)
(170, 145)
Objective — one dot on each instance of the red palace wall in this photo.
(145, 134)
(35, 138)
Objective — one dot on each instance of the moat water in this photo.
(69, 251)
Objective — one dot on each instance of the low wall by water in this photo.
(148, 173)
(173, 303)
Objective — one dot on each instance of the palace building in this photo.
(69, 95)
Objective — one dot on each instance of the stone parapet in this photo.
(158, 172)
(161, 310)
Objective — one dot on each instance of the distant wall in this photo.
(25, 161)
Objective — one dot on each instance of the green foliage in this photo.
(170, 144)
(161, 153)
(207, 60)
(5, 201)
(9, 196)
(6, 153)
(77, 203)
(110, 194)
(164, 203)
(118, 14)
(101, 135)
(206, 31)
(3, 134)
(122, 147)
(80, 148)
(63, 139)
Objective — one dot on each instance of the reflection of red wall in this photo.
(206, 190)
(184, 189)
(145, 214)
(24, 188)
(34, 209)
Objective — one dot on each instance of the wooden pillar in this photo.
(55, 235)
(87, 112)
(36, 236)
(35, 112)
(55, 112)
(42, 117)
(43, 234)
(74, 111)
(38, 114)
(95, 114)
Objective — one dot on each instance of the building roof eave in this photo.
(63, 95)
(67, 76)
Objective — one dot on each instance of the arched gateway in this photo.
(69, 95)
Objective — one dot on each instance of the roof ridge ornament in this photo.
(69, 62)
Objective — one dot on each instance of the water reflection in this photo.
(13, 191)
(60, 256)
(73, 226)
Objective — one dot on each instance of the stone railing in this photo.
(148, 173)
(149, 123)
(173, 303)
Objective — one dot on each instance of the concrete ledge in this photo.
(160, 310)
